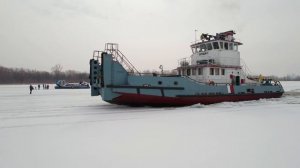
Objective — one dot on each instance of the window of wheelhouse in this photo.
(221, 45)
(211, 71)
(193, 50)
(209, 46)
(202, 47)
(216, 45)
(223, 72)
(188, 72)
(217, 71)
(230, 46)
(226, 46)
(200, 71)
(193, 71)
(235, 47)
(183, 72)
(197, 48)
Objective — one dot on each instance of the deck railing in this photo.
(184, 62)
(112, 48)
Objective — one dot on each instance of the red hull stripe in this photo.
(148, 100)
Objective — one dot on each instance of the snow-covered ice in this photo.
(70, 129)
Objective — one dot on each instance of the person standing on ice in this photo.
(30, 88)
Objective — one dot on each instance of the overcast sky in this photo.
(38, 34)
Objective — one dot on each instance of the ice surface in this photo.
(68, 128)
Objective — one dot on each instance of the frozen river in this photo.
(70, 129)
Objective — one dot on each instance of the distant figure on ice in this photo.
(39, 86)
(30, 88)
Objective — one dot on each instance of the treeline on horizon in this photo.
(289, 78)
(27, 76)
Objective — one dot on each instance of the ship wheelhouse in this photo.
(215, 59)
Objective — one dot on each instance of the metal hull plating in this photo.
(159, 101)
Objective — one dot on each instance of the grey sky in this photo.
(38, 34)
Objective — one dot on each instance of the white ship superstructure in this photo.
(215, 59)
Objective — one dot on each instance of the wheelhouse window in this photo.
(223, 72)
(202, 47)
(197, 48)
(201, 62)
(211, 71)
(226, 46)
(221, 45)
(194, 50)
(217, 71)
(235, 47)
(200, 71)
(183, 71)
(209, 46)
(230, 46)
(188, 72)
(193, 71)
(216, 45)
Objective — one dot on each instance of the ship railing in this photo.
(184, 62)
(112, 48)
(246, 69)
(185, 76)
(97, 54)
(160, 74)
(271, 82)
(264, 79)
(206, 83)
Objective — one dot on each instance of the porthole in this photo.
(159, 82)
(175, 83)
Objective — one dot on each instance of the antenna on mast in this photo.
(196, 35)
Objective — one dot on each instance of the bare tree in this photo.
(57, 70)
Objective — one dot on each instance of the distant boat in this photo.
(212, 74)
(61, 84)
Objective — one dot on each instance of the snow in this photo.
(69, 128)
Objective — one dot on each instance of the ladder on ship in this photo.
(113, 48)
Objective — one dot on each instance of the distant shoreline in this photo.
(13, 76)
